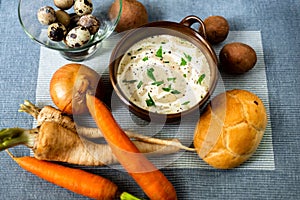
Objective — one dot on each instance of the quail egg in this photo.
(56, 31)
(74, 18)
(83, 7)
(64, 4)
(77, 37)
(63, 17)
(90, 22)
(46, 15)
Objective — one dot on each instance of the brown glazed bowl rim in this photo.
(183, 30)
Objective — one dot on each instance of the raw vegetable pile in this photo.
(58, 138)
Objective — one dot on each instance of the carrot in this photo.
(51, 114)
(147, 176)
(75, 180)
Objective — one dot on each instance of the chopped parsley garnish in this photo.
(166, 61)
(185, 103)
(139, 85)
(183, 62)
(171, 79)
(188, 57)
(150, 101)
(150, 74)
(201, 78)
(175, 92)
(184, 75)
(139, 49)
(129, 81)
(168, 89)
(158, 83)
(145, 58)
(159, 52)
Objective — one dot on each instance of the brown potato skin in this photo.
(237, 58)
(217, 29)
(134, 14)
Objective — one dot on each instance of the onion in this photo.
(68, 87)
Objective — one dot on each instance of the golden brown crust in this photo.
(230, 129)
(254, 108)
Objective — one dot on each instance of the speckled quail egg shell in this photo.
(46, 15)
(83, 7)
(56, 31)
(63, 17)
(77, 37)
(74, 18)
(63, 4)
(90, 22)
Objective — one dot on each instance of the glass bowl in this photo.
(27, 12)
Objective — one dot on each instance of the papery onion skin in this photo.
(69, 84)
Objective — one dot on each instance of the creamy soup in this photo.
(164, 74)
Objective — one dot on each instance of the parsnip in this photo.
(53, 142)
(47, 113)
(51, 114)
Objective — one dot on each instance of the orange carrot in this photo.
(147, 176)
(75, 180)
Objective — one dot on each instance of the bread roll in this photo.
(230, 129)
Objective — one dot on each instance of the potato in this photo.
(217, 29)
(237, 58)
(134, 14)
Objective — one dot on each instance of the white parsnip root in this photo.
(57, 138)
(52, 142)
(69, 147)
(51, 114)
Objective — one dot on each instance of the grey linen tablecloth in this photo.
(279, 26)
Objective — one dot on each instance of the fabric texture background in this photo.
(278, 23)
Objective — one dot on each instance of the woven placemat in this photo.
(254, 81)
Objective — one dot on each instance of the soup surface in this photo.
(164, 74)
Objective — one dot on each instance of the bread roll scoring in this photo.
(230, 129)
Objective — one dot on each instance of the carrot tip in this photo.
(127, 196)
